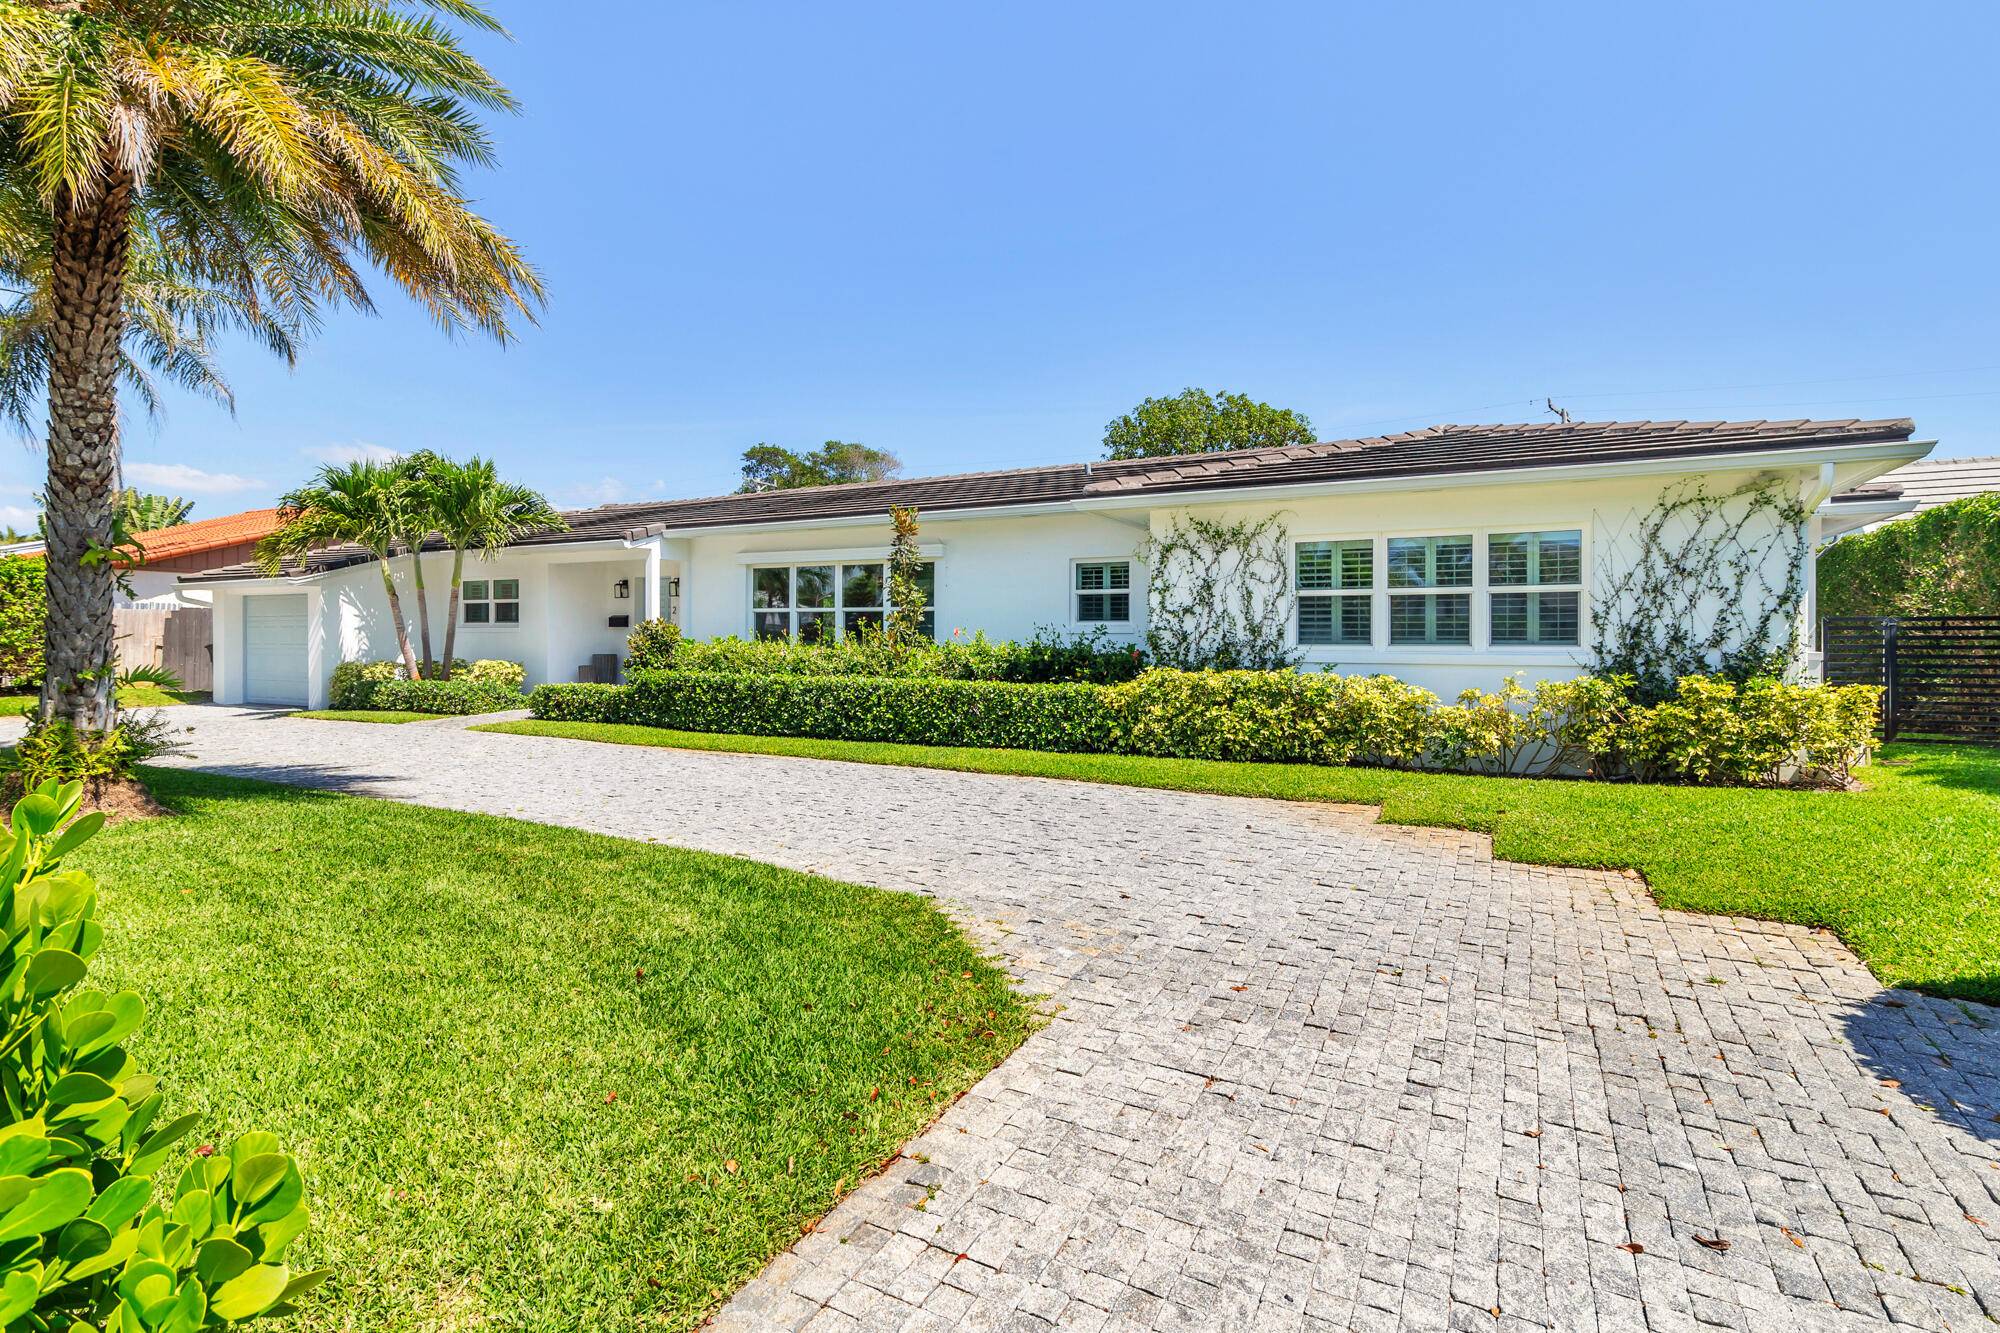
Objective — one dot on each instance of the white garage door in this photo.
(274, 650)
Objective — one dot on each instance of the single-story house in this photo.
(1910, 489)
(1449, 556)
(161, 555)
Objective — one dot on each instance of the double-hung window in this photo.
(1336, 592)
(1102, 591)
(813, 603)
(1430, 590)
(1537, 583)
(490, 601)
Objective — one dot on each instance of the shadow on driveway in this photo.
(1944, 1055)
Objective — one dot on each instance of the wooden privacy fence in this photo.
(1940, 675)
(176, 638)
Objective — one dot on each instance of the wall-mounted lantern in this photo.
(673, 587)
(622, 589)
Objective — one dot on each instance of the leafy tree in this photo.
(365, 504)
(906, 567)
(772, 467)
(274, 146)
(1195, 421)
(9, 534)
(1942, 562)
(149, 513)
(472, 509)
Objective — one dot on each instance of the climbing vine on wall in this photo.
(1219, 595)
(1698, 595)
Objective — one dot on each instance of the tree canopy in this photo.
(150, 513)
(772, 467)
(1942, 562)
(1195, 421)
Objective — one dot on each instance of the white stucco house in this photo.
(1449, 556)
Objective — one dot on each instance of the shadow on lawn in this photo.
(303, 779)
(1944, 1055)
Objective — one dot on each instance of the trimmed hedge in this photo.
(1943, 562)
(486, 686)
(1711, 731)
(23, 609)
(1051, 657)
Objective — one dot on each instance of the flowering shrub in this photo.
(89, 1247)
(1711, 731)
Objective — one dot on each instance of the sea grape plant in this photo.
(87, 1243)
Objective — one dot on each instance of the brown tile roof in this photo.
(206, 534)
(1434, 451)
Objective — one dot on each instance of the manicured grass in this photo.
(131, 696)
(367, 715)
(538, 1079)
(1906, 871)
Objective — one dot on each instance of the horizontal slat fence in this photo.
(1940, 674)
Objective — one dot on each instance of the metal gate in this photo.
(1940, 675)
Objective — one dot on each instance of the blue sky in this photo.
(974, 234)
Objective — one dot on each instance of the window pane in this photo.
(927, 625)
(1090, 606)
(1118, 606)
(861, 585)
(1315, 619)
(1537, 617)
(854, 620)
(506, 613)
(815, 626)
(1430, 562)
(477, 613)
(1559, 616)
(1357, 564)
(1118, 576)
(1507, 559)
(927, 581)
(1357, 620)
(770, 587)
(813, 585)
(1510, 617)
(474, 590)
(1561, 557)
(1090, 578)
(773, 624)
(506, 590)
(1443, 619)
(1315, 565)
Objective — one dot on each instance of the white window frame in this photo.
(1532, 590)
(1336, 596)
(1131, 590)
(490, 602)
(1380, 649)
(792, 610)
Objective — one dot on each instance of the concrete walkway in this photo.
(1310, 1072)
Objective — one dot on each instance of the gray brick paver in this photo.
(1307, 1071)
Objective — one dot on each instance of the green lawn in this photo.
(539, 1079)
(1907, 871)
(131, 696)
(367, 715)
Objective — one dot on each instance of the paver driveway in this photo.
(1312, 1072)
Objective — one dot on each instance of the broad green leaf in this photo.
(190, 1309)
(154, 1148)
(250, 1294)
(305, 1282)
(123, 1246)
(37, 814)
(78, 833)
(271, 1238)
(121, 1201)
(59, 1197)
(195, 1210)
(13, 1189)
(255, 1143)
(277, 1202)
(22, 1153)
(18, 1295)
(219, 1260)
(80, 1090)
(81, 1240)
(54, 970)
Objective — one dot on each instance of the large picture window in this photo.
(1537, 582)
(490, 602)
(1103, 592)
(814, 603)
(1430, 597)
(1336, 587)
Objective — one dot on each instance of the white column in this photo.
(653, 594)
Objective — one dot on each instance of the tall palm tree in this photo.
(322, 132)
(363, 504)
(471, 509)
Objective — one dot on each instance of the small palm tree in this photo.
(472, 509)
(323, 133)
(150, 513)
(361, 504)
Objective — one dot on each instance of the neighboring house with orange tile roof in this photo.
(161, 556)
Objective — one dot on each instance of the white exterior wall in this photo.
(1006, 576)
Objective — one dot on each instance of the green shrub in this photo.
(918, 712)
(486, 686)
(23, 607)
(1269, 716)
(85, 1245)
(56, 751)
(1048, 658)
(579, 703)
(1763, 732)
(1942, 562)
(651, 646)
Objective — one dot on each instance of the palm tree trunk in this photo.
(86, 331)
(423, 608)
(396, 614)
(451, 609)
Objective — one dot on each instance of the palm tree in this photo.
(150, 513)
(236, 130)
(363, 504)
(473, 510)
